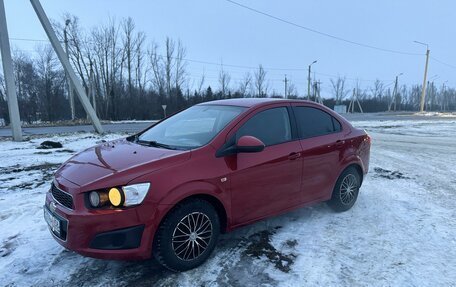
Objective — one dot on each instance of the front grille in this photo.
(62, 197)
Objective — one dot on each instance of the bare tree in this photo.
(129, 43)
(339, 89)
(180, 65)
(378, 89)
(141, 70)
(51, 80)
(260, 81)
(245, 83)
(292, 91)
(201, 84)
(110, 60)
(169, 63)
(224, 82)
(158, 80)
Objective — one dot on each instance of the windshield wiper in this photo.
(154, 144)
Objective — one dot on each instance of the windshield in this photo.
(191, 128)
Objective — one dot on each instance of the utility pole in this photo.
(92, 88)
(317, 94)
(395, 93)
(286, 87)
(423, 92)
(444, 96)
(70, 88)
(308, 80)
(13, 107)
(66, 65)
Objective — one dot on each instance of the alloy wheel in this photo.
(192, 236)
(348, 189)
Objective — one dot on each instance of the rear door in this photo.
(266, 182)
(322, 145)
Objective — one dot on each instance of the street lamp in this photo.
(423, 92)
(308, 80)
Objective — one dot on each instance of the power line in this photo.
(442, 62)
(322, 33)
(28, 40)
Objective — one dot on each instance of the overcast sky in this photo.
(219, 31)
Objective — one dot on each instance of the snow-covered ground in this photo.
(401, 232)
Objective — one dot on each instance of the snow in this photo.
(401, 231)
(437, 114)
(133, 121)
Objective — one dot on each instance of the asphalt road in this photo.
(138, 126)
(110, 128)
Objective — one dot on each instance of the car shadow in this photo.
(240, 257)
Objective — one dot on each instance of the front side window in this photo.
(314, 122)
(270, 126)
(191, 128)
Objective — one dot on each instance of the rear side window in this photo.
(270, 126)
(313, 122)
(337, 125)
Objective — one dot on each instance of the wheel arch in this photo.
(210, 197)
(356, 162)
(359, 169)
(215, 202)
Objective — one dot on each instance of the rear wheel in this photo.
(346, 190)
(187, 236)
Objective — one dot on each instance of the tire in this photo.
(346, 190)
(187, 236)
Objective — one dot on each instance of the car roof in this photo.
(251, 102)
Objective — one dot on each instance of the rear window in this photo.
(313, 122)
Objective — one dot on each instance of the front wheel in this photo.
(187, 236)
(346, 190)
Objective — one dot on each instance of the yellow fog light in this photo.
(116, 197)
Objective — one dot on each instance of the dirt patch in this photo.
(50, 145)
(45, 174)
(43, 152)
(17, 168)
(389, 174)
(261, 246)
(291, 243)
(65, 150)
(8, 246)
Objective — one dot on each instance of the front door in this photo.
(266, 182)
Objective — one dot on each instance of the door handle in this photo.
(340, 143)
(294, 155)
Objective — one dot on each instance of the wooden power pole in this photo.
(66, 65)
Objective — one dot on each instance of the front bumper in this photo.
(106, 234)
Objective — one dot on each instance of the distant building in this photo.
(340, 109)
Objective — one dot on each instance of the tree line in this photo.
(128, 77)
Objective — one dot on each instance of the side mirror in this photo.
(249, 144)
(244, 144)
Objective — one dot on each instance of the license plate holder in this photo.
(53, 222)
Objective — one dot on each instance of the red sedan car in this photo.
(170, 190)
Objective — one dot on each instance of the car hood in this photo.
(116, 163)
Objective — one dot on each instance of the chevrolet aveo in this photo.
(170, 190)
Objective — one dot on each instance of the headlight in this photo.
(116, 197)
(135, 193)
(97, 199)
(94, 198)
(123, 196)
